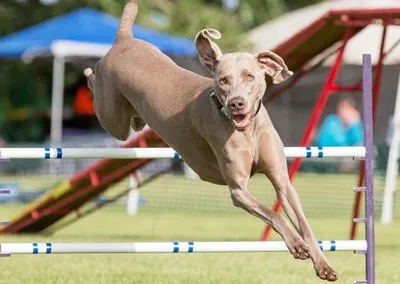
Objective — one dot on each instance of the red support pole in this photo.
(327, 89)
(375, 100)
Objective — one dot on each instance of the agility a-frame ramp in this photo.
(68, 196)
(309, 49)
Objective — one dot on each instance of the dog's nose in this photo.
(237, 104)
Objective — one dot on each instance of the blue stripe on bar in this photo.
(176, 247)
(176, 155)
(191, 247)
(320, 245)
(320, 152)
(333, 246)
(48, 247)
(59, 153)
(308, 152)
(47, 153)
(35, 248)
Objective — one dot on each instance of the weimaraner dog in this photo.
(219, 126)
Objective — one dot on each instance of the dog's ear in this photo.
(274, 66)
(208, 50)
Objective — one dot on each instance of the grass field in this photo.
(211, 222)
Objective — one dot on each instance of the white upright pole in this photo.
(133, 195)
(392, 165)
(57, 100)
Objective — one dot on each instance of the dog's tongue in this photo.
(239, 117)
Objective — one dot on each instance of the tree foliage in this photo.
(31, 84)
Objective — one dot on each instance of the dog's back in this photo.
(157, 88)
(135, 80)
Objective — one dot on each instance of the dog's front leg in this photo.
(235, 166)
(273, 162)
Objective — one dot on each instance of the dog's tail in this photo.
(127, 20)
(88, 72)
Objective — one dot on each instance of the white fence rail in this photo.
(169, 247)
(157, 153)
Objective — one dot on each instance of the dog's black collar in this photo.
(221, 108)
(218, 104)
(258, 108)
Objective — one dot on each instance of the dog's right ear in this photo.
(208, 50)
(274, 66)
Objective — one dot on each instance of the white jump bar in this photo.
(169, 247)
(157, 153)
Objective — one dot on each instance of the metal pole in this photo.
(375, 100)
(57, 100)
(369, 183)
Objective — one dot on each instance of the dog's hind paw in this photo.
(299, 249)
(325, 272)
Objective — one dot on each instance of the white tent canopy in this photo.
(60, 50)
(273, 33)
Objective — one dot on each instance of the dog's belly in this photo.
(193, 149)
(207, 169)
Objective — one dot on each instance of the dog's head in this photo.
(239, 78)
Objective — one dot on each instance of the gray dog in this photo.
(219, 126)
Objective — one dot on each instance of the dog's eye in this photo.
(250, 77)
(223, 81)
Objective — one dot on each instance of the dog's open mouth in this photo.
(241, 121)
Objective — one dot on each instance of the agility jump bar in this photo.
(169, 247)
(159, 153)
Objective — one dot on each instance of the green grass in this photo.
(321, 194)
(179, 209)
(112, 224)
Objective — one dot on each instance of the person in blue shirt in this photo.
(344, 128)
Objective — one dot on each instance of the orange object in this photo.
(83, 102)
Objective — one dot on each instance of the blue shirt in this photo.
(333, 133)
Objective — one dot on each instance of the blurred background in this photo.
(44, 101)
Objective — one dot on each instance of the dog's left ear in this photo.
(274, 66)
(208, 50)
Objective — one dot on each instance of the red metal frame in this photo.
(329, 88)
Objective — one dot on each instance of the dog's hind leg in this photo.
(113, 110)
